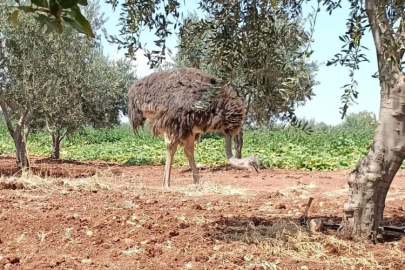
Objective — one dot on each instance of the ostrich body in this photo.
(183, 103)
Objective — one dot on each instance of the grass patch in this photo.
(335, 148)
(288, 242)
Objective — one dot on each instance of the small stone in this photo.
(304, 267)
(129, 242)
(321, 204)
(115, 240)
(198, 207)
(316, 225)
(281, 206)
(13, 259)
(89, 233)
(87, 261)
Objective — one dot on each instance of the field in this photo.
(86, 214)
(335, 148)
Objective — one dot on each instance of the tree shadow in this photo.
(394, 221)
(47, 167)
(257, 229)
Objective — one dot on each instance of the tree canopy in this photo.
(261, 56)
(59, 82)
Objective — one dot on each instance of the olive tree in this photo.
(54, 14)
(262, 56)
(58, 82)
(373, 175)
(20, 78)
(370, 180)
(93, 94)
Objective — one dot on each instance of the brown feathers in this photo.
(180, 100)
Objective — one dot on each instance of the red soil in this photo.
(124, 220)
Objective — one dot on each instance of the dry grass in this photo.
(338, 192)
(102, 180)
(209, 188)
(301, 190)
(286, 241)
(26, 182)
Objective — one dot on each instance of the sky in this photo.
(324, 106)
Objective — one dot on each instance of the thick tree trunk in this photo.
(19, 134)
(21, 152)
(370, 181)
(20, 143)
(56, 139)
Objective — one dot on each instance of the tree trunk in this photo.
(19, 134)
(370, 181)
(56, 139)
(238, 139)
(20, 143)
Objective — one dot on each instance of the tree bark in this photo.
(19, 134)
(370, 181)
(21, 151)
(55, 146)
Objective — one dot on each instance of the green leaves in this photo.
(264, 55)
(53, 12)
(327, 149)
(82, 21)
(14, 17)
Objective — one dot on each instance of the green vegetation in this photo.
(327, 148)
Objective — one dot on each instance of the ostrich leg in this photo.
(189, 151)
(171, 147)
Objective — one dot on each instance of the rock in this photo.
(281, 206)
(13, 259)
(198, 207)
(315, 225)
(129, 242)
(87, 261)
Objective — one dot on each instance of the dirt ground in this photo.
(95, 215)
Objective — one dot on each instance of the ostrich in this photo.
(180, 104)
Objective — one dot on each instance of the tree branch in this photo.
(6, 116)
(22, 121)
(380, 28)
(63, 136)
